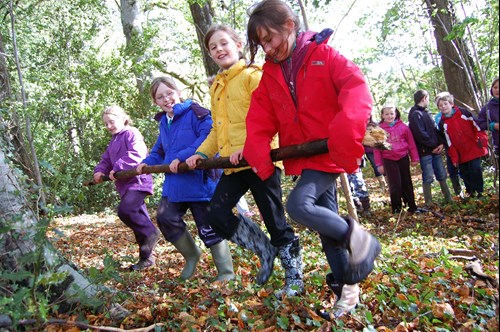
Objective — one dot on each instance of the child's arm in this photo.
(103, 167)
(355, 106)
(257, 148)
(202, 129)
(379, 163)
(412, 147)
(157, 154)
(136, 151)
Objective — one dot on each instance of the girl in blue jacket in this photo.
(184, 125)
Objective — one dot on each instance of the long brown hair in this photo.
(268, 14)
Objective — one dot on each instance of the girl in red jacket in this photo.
(309, 91)
(466, 142)
(395, 163)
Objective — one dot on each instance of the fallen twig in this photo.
(88, 326)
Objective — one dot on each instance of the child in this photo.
(396, 162)
(309, 91)
(429, 146)
(370, 155)
(183, 126)
(360, 195)
(466, 142)
(488, 116)
(124, 152)
(230, 94)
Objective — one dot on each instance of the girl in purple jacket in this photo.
(395, 163)
(125, 151)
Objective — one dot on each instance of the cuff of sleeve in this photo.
(202, 154)
(492, 126)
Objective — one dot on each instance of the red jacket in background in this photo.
(465, 140)
(333, 102)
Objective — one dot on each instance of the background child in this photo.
(183, 126)
(230, 94)
(429, 146)
(488, 116)
(304, 97)
(396, 162)
(370, 155)
(466, 142)
(453, 171)
(125, 151)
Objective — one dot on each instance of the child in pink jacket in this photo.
(395, 163)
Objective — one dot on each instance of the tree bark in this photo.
(21, 239)
(458, 65)
(202, 20)
(132, 18)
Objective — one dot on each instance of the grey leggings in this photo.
(313, 203)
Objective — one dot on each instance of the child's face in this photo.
(494, 89)
(113, 123)
(445, 107)
(224, 50)
(389, 115)
(277, 45)
(166, 98)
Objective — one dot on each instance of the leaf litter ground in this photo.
(422, 281)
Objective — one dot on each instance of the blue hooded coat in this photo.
(179, 140)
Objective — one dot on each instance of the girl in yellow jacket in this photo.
(230, 99)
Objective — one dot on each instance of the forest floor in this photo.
(427, 278)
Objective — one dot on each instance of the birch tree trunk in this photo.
(21, 239)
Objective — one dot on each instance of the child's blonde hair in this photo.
(444, 96)
(119, 112)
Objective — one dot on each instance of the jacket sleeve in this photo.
(209, 145)
(136, 151)
(482, 118)
(378, 157)
(261, 126)
(104, 165)
(413, 151)
(420, 132)
(348, 127)
(202, 129)
(157, 155)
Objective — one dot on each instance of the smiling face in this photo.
(224, 50)
(389, 115)
(113, 123)
(277, 45)
(166, 98)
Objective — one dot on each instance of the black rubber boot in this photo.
(251, 237)
(291, 261)
(146, 255)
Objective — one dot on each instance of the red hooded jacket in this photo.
(465, 140)
(333, 102)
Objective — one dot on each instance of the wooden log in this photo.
(374, 137)
(288, 152)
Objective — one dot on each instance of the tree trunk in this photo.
(458, 65)
(20, 240)
(202, 20)
(132, 19)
